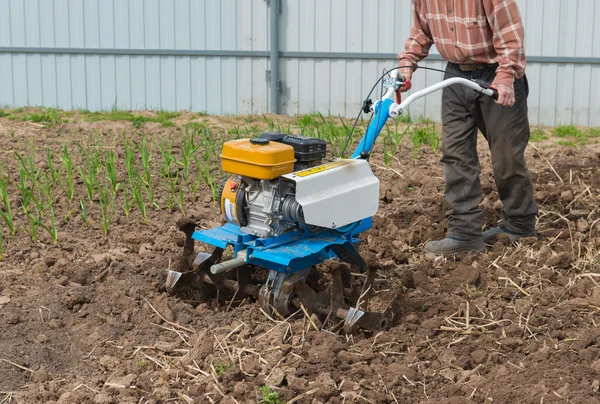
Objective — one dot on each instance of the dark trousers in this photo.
(507, 133)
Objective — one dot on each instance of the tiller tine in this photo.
(359, 317)
(174, 277)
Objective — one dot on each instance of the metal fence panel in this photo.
(95, 79)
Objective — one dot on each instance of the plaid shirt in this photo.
(469, 31)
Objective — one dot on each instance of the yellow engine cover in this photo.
(257, 158)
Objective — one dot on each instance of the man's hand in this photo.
(406, 73)
(506, 95)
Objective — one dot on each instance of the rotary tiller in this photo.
(288, 211)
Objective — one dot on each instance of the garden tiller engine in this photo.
(287, 211)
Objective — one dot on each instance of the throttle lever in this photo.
(406, 85)
(486, 85)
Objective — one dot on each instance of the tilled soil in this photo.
(84, 321)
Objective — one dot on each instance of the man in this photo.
(481, 39)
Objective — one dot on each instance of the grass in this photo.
(537, 135)
(162, 117)
(572, 136)
(46, 116)
(52, 116)
(568, 131)
(594, 132)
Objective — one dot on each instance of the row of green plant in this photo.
(98, 179)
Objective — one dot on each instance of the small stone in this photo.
(120, 382)
(13, 318)
(63, 281)
(566, 196)
(145, 249)
(296, 383)
(348, 358)
(4, 300)
(596, 366)
(326, 385)
(582, 225)
(40, 376)
(101, 258)
(561, 260)
(479, 356)
(108, 362)
(513, 330)
(316, 320)
(103, 398)
(276, 378)
(595, 297)
(55, 323)
(412, 319)
(240, 388)
(596, 386)
(41, 338)
(397, 373)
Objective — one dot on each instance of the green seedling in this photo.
(138, 198)
(145, 152)
(388, 153)
(84, 215)
(89, 179)
(107, 196)
(268, 396)
(166, 151)
(51, 230)
(1, 243)
(181, 197)
(110, 161)
(92, 165)
(127, 201)
(7, 214)
(211, 181)
(24, 175)
(424, 136)
(68, 180)
(188, 151)
(33, 226)
(53, 171)
(129, 160)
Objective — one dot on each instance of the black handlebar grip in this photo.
(487, 86)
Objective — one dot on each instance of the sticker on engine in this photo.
(320, 169)
(230, 211)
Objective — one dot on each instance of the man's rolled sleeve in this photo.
(419, 42)
(505, 20)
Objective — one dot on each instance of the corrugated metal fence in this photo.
(212, 55)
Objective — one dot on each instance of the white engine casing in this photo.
(338, 193)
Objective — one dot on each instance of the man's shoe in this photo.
(490, 235)
(450, 246)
